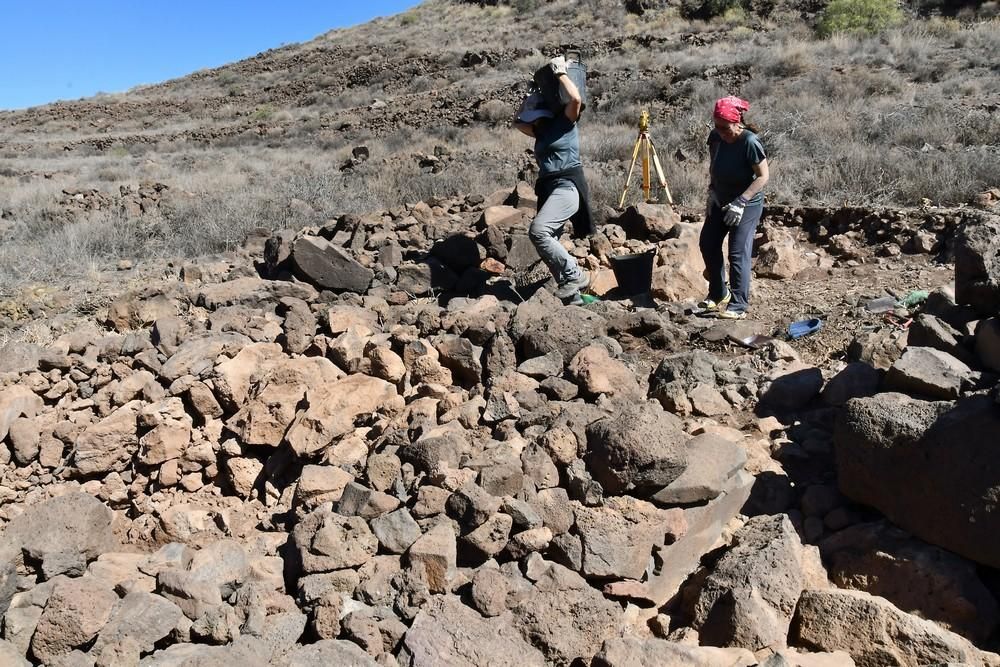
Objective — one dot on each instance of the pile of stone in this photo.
(133, 201)
(852, 234)
(144, 199)
(371, 460)
(85, 200)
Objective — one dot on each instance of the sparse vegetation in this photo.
(859, 16)
(844, 119)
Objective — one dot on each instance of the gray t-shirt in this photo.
(557, 145)
(732, 165)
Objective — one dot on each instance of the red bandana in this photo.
(731, 109)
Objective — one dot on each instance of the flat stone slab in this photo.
(712, 461)
(927, 372)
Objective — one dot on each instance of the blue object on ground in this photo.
(804, 328)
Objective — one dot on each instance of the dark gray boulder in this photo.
(930, 467)
(328, 266)
(977, 264)
(639, 450)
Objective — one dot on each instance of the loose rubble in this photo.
(383, 441)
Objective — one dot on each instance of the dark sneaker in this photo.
(566, 290)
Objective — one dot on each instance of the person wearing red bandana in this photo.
(737, 175)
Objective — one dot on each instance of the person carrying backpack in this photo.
(561, 187)
(738, 173)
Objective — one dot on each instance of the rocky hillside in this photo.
(418, 105)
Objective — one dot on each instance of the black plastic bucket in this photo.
(634, 273)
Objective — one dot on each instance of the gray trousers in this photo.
(548, 225)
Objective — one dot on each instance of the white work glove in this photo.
(734, 211)
(558, 65)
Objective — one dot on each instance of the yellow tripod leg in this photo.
(646, 184)
(635, 155)
(659, 173)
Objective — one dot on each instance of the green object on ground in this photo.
(588, 298)
(915, 297)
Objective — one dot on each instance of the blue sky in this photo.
(64, 50)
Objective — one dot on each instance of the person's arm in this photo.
(568, 92)
(525, 128)
(575, 103)
(762, 174)
(712, 142)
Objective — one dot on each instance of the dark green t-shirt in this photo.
(557, 145)
(732, 165)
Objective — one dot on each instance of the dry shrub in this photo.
(604, 143)
(494, 111)
(789, 60)
(859, 16)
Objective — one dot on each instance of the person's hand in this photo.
(734, 211)
(558, 65)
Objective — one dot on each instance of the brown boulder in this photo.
(619, 538)
(596, 372)
(977, 264)
(650, 652)
(875, 633)
(76, 611)
(433, 557)
(198, 355)
(917, 577)
(110, 444)
(566, 618)
(64, 533)
(649, 222)
(748, 600)
(679, 271)
(779, 259)
(446, 632)
(17, 401)
(331, 410)
(328, 541)
(927, 372)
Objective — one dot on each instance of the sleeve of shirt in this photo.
(755, 151)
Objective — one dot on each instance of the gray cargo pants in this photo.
(548, 225)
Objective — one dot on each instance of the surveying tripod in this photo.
(644, 145)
